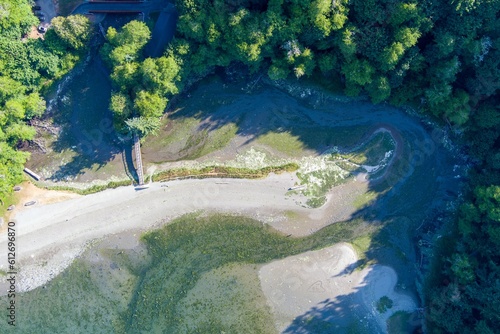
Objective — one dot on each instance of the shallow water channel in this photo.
(204, 283)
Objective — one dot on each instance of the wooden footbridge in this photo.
(138, 159)
(163, 33)
(165, 25)
(121, 7)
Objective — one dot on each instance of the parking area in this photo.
(45, 10)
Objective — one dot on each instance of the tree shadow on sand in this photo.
(420, 179)
(409, 207)
(416, 188)
(345, 314)
(394, 245)
(266, 109)
(409, 198)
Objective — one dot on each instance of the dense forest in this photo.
(27, 67)
(141, 85)
(439, 56)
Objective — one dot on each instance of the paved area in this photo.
(145, 7)
(48, 9)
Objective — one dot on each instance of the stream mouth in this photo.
(218, 123)
(86, 140)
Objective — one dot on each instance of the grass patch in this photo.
(91, 190)
(213, 140)
(233, 287)
(319, 182)
(221, 137)
(223, 171)
(283, 142)
(194, 144)
(319, 175)
(200, 276)
(384, 303)
(374, 151)
(182, 135)
(184, 251)
(316, 202)
(345, 165)
(318, 138)
(178, 130)
(361, 245)
(365, 199)
(72, 303)
(291, 214)
(185, 173)
(8, 200)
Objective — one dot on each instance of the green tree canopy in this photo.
(160, 74)
(75, 30)
(135, 33)
(143, 126)
(150, 105)
(27, 65)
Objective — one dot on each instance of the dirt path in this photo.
(30, 192)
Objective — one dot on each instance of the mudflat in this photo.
(51, 236)
(324, 290)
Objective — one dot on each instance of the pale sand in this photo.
(30, 192)
(321, 284)
(50, 236)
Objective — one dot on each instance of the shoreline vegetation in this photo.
(372, 156)
(163, 280)
(441, 57)
(28, 66)
(186, 173)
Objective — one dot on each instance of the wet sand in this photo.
(50, 236)
(324, 287)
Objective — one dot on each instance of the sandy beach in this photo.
(324, 287)
(49, 236)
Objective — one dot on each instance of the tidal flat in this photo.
(197, 274)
